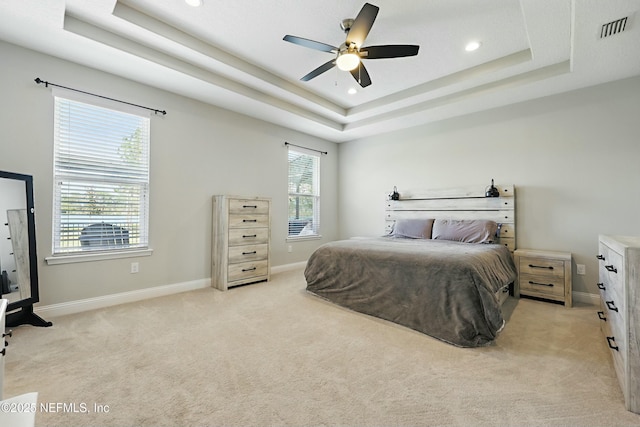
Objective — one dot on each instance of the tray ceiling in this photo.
(231, 54)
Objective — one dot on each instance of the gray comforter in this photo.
(441, 288)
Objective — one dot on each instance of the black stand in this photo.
(25, 316)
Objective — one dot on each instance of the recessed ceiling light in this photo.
(471, 46)
(352, 91)
(194, 3)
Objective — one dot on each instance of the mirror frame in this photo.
(26, 314)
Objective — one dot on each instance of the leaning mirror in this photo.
(18, 259)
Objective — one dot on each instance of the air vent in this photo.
(613, 27)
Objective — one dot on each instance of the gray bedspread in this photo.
(441, 288)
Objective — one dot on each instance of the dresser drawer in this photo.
(546, 285)
(248, 270)
(248, 207)
(615, 323)
(613, 272)
(617, 346)
(248, 253)
(248, 221)
(248, 236)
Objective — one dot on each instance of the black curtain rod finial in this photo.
(46, 84)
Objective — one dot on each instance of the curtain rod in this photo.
(310, 149)
(47, 84)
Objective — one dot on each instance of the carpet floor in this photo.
(272, 354)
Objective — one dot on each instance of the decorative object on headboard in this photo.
(458, 203)
(395, 195)
(492, 191)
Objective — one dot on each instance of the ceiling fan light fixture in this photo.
(348, 61)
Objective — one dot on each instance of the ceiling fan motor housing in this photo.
(346, 24)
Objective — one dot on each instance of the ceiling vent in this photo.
(613, 27)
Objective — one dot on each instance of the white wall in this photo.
(196, 151)
(574, 159)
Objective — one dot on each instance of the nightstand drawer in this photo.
(552, 286)
(542, 267)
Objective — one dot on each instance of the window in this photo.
(304, 194)
(101, 178)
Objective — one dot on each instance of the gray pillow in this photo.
(467, 230)
(413, 228)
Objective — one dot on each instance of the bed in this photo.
(443, 266)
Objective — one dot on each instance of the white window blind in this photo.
(101, 178)
(304, 193)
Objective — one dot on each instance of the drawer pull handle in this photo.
(612, 305)
(3, 352)
(541, 266)
(248, 269)
(601, 286)
(249, 220)
(611, 268)
(541, 284)
(612, 340)
(601, 316)
(249, 253)
(250, 206)
(249, 236)
(601, 257)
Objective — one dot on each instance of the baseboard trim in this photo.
(288, 267)
(71, 307)
(585, 298)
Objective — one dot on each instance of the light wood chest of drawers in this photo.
(619, 284)
(544, 274)
(241, 241)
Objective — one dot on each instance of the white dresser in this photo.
(619, 284)
(241, 241)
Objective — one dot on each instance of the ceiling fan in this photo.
(350, 53)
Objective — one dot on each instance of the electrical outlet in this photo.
(581, 269)
(135, 267)
(290, 249)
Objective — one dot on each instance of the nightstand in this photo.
(544, 274)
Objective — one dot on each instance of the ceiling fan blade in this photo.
(361, 75)
(321, 69)
(310, 43)
(389, 51)
(362, 24)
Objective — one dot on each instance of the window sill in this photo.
(300, 238)
(96, 256)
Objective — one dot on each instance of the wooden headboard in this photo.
(458, 203)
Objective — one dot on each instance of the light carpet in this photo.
(272, 354)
